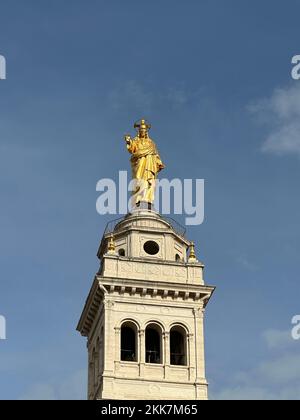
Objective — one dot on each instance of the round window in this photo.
(151, 247)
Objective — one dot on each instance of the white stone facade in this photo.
(159, 300)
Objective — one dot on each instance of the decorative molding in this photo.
(165, 310)
(104, 287)
(109, 304)
(198, 312)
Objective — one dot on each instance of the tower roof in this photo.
(144, 220)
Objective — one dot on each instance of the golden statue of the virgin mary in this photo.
(145, 163)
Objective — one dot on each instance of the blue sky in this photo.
(214, 79)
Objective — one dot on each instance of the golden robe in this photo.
(145, 165)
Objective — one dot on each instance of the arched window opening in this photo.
(128, 343)
(121, 252)
(178, 346)
(177, 258)
(153, 344)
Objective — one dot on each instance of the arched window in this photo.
(177, 258)
(121, 252)
(128, 342)
(178, 346)
(153, 344)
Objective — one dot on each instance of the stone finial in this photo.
(111, 249)
(192, 256)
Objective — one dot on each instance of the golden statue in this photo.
(145, 164)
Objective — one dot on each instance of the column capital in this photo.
(108, 303)
(198, 312)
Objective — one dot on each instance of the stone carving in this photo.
(153, 269)
(154, 389)
(125, 267)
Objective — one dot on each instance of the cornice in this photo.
(104, 287)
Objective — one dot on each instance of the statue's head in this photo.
(143, 127)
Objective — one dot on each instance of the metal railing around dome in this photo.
(111, 228)
(177, 227)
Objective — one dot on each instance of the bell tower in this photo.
(144, 315)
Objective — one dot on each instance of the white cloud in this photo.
(39, 392)
(131, 94)
(73, 388)
(277, 378)
(282, 370)
(246, 263)
(285, 140)
(142, 98)
(278, 339)
(281, 115)
(241, 392)
(244, 392)
(177, 96)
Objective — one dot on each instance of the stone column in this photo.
(117, 347)
(97, 372)
(166, 355)
(199, 343)
(101, 351)
(141, 353)
(199, 351)
(109, 340)
(90, 380)
(191, 357)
